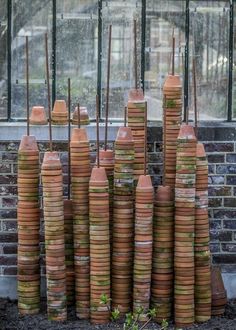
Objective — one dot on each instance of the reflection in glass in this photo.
(77, 24)
(3, 59)
(31, 18)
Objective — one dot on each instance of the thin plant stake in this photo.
(78, 107)
(195, 96)
(49, 95)
(108, 84)
(27, 81)
(69, 132)
(173, 53)
(135, 55)
(97, 127)
(145, 140)
(125, 116)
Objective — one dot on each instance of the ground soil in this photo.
(10, 320)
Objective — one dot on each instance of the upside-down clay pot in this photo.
(219, 294)
(84, 117)
(28, 220)
(99, 233)
(80, 175)
(60, 113)
(38, 116)
(53, 211)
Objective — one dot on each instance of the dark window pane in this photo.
(234, 66)
(3, 59)
(31, 18)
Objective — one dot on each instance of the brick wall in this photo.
(221, 150)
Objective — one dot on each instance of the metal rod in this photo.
(54, 49)
(125, 116)
(231, 56)
(108, 84)
(99, 52)
(143, 43)
(49, 95)
(135, 56)
(78, 108)
(186, 65)
(27, 81)
(69, 113)
(145, 140)
(195, 96)
(164, 144)
(173, 53)
(97, 127)
(9, 57)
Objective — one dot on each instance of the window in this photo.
(78, 40)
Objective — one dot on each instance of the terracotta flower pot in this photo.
(84, 117)
(60, 113)
(38, 116)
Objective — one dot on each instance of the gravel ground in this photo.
(10, 320)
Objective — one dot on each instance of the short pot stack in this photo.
(201, 246)
(163, 253)
(184, 226)
(59, 113)
(28, 218)
(172, 112)
(143, 245)
(84, 117)
(123, 221)
(219, 294)
(99, 245)
(136, 121)
(69, 251)
(38, 116)
(53, 208)
(80, 175)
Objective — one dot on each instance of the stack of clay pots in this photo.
(123, 221)
(201, 246)
(219, 294)
(172, 111)
(136, 121)
(84, 117)
(99, 245)
(143, 245)
(69, 251)
(38, 116)
(184, 226)
(60, 113)
(53, 210)
(163, 253)
(80, 175)
(28, 217)
(107, 162)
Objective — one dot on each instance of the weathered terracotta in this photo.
(38, 116)
(60, 106)
(136, 95)
(28, 143)
(124, 135)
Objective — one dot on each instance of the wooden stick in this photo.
(125, 116)
(49, 95)
(108, 84)
(145, 140)
(195, 96)
(164, 143)
(135, 56)
(97, 127)
(69, 113)
(173, 53)
(78, 108)
(27, 81)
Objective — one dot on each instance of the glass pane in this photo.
(162, 18)
(209, 43)
(234, 66)
(31, 18)
(121, 15)
(77, 24)
(3, 59)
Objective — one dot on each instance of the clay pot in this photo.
(136, 95)
(84, 117)
(38, 116)
(60, 113)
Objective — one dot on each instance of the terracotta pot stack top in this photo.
(184, 226)
(53, 210)
(163, 253)
(80, 175)
(69, 251)
(201, 245)
(123, 221)
(84, 117)
(136, 121)
(219, 294)
(143, 245)
(100, 281)
(172, 113)
(28, 218)
(60, 113)
(38, 116)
